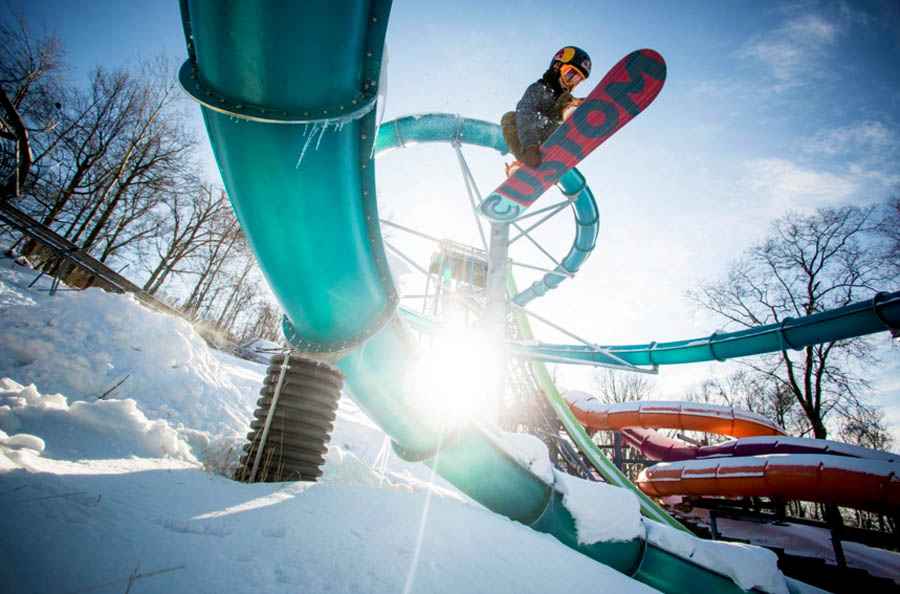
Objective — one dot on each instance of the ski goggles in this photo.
(570, 75)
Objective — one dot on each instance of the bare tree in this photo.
(266, 323)
(31, 69)
(187, 224)
(241, 294)
(210, 262)
(889, 229)
(808, 264)
(147, 159)
(748, 390)
(613, 386)
(31, 80)
(865, 426)
(91, 124)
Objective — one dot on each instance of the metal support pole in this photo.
(265, 433)
(495, 311)
(713, 525)
(62, 268)
(836, 522)
(617, 452)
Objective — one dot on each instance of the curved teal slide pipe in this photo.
(453, 129)
(288, 91)
(881, 312)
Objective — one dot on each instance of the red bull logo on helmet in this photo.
(566, 56)
(586, 65)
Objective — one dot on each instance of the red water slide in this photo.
(763, 463)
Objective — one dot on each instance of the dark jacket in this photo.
(537, 115)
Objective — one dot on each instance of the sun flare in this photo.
(456, 378)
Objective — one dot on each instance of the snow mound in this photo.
(530, 452)
(83, 430)
(748, 566)
(91, 344)
(602, 512)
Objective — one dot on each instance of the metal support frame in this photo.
(617, 450)
(471, 190)
(75, 256)
(539, 269)
(739, 511)
(624, 364)
(524, 232)
(537, 245)
(496, 301)
(58, 269)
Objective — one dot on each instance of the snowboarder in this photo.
(545, 104)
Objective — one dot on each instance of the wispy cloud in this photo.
(791, 51)
(783, 185)
(863, 137)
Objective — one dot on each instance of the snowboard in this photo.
(626, 90)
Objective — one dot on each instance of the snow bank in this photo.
(91, 502)
(602, 512)
(49, 426)
(748, 566)
(91, 344)
(530, 452)
(79, 526)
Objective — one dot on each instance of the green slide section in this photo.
(288, 92)
(582, 440)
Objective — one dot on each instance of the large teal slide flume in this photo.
(289, 94)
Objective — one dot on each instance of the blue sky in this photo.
(768, 106)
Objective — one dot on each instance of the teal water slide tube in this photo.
(288, 91)
(881, 312)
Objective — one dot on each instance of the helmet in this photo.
(575, 56)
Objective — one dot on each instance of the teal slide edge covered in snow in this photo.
(288, 93)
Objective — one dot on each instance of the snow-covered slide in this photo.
(655, 414)
(288, 91)
(852, 482)
(762, 463)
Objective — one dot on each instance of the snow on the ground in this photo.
(809, 541)
(117, 429)
(78, 525)
(115, 423)
(49, 425)
(750, 567)
(91, 344)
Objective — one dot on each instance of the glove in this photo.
(532, 157)
(569, 109)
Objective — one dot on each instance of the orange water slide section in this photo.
(850, 482)
(858, 482)
(689, 416)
